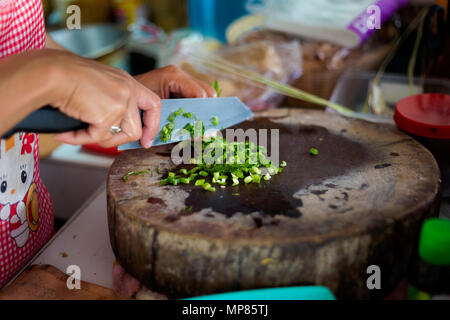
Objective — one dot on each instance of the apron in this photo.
(26, 211)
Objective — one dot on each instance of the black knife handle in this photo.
(47, 120)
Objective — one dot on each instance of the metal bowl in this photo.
(92, 41)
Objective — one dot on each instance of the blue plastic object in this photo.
(212, 17)
(283, 293)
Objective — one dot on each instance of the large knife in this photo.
(230, 111)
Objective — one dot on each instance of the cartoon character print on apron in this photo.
(26, 211)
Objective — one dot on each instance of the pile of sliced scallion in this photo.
(239, 162)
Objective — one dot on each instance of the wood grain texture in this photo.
(45, 282)
(322, 221)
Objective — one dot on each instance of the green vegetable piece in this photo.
(248, 179)
(200, 182)
(184, 171)
(179, 112)
(216, 87)
(184, 180)
(135, 173)
(313, 151)
(267, 177)
(256, 179)
(206, 186)
(171, 175)
(283, 164)
(203, 173)
(215, 121)
(255, 170)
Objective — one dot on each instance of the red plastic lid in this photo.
(426, 115)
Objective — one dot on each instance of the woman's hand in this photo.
(172, 82)
(102, 96)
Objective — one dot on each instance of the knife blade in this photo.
(230, 111)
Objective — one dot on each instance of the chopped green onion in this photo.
(247, 166)
(255, 170)
(135, 173)
(206, 186)
(184, 180)
(200, 182)
(217, 89)
(314, 151)
(179, 112)
(248, 179)
(215, 121)
(256, 179)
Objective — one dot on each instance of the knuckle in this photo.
(135, 132)
(172, 68)
(116, 110)
(123, 73)
(123, 90)
(136, 135)
(158, 103)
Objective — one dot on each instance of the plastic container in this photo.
(426, 117)
(430, 277)
(352, 90)
(211, 17)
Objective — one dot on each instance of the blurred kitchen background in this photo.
(321, 47)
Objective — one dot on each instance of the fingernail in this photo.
(148, 144)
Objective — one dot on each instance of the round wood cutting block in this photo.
(324, 220)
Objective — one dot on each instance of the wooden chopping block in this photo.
(45, 282)
(324, 220)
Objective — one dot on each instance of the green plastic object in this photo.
(434, 244)
(284, 293)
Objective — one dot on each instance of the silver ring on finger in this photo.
(115, 129)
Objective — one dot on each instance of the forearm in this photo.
(25, 86)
